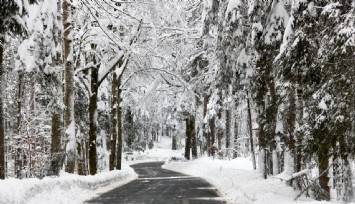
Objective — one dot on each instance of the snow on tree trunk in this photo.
(261, 166)
(69, 123)
(288, 163)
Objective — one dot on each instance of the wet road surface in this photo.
(156, 185)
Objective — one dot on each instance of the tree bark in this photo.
(68, 88)
(205, 126)
(212, 131)
(174, 143)
(18, 161)
(57, 156)
(114, 118)
(187, 138)
(270, 125)
(2, 119)
(299, 118)
(81, 158)
(228, 127)
(262, 140)
(119, 126)
(236, 130)
(250, 126)
(219, 127)
(193, 137)
(289, 130)
(93, 119)
(323, 159)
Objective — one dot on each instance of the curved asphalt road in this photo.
(156, 185)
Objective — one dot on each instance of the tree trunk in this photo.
(289, 131)
(18, 160)
(93, 119)
(114, 118)
(193, 137)
(228, 127)
(81, 157)
(212, 131)
(299, 116)
(219, 127)
(68, 88)
(119, 126)
(174, 142)
(262, 140)
(235, 130)
(205, 126)
(219, 137)
(57, 156)
(323, 159)
(187, 138)
(250, 126)
(2, 119)
(270, 125)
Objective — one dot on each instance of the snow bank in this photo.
(161, 152)
(67, 188)
(238, 183)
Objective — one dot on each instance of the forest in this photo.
(83, 81)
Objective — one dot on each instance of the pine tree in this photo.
(8, 25)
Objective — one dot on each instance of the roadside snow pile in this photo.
(160, 152)
(67, 188)
(238, 183)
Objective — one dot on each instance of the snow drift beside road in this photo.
(238, 183)
(67, 188)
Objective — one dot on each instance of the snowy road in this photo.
(157, 185)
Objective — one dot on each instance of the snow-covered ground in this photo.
(235, 180)
(67, 188)
(238, 183)
(160, 152)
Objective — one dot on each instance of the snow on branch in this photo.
(315, 180)
(118, 44)
(286, 177)
(110, 66)
(87, 66)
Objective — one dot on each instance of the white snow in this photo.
(278, 19)
(235, 180)
(322, 105)
(232, 4)
(238, 183)
(70, 131)
(67, 188)
(161, 152)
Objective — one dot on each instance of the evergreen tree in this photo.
(9, 24)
